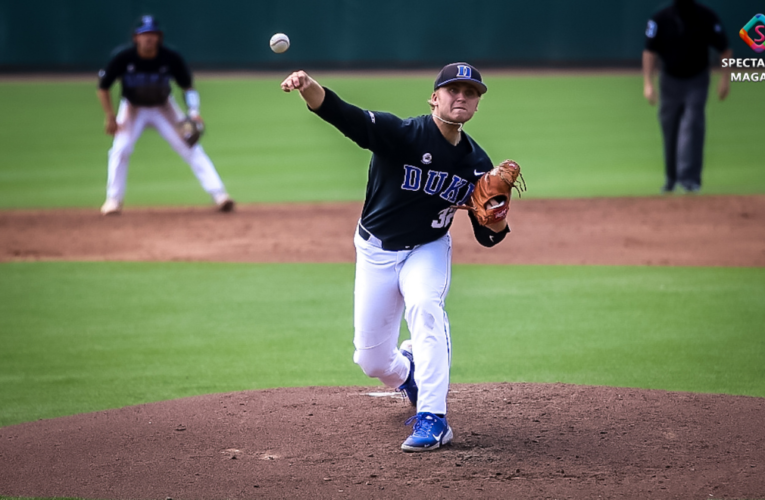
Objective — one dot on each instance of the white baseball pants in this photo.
(132, 120)
(387, 284)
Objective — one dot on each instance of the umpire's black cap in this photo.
(147, 24)
(460, 72)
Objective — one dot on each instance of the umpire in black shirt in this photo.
(680, 35)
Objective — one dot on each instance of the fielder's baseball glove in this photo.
(490, 200)
(190, 130)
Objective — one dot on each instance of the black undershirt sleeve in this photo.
(484, 235)
(181, 72)
(113, 70)
(377, 131)
(347, 118)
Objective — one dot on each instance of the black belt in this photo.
(365, 235)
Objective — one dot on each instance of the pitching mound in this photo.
(511, 441)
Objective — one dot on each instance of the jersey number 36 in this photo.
(445, 217)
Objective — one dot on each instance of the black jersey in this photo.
(682, 35)
(145, 82)
(415, 175)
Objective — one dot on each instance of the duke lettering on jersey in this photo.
(450, 194)
(412, 178)
(435, 180)
(145, 79)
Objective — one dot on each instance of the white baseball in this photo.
(280, 43)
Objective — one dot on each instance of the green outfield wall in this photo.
(62, 35)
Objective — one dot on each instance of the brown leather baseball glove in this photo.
(490, 200)
(190, 130)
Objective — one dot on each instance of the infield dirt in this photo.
(512, 440)
(672, 231)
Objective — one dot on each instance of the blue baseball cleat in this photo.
(430, 432)
(409, 387)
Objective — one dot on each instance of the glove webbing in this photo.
(518, 187)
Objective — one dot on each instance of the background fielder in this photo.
(420, 169)
(146, 69)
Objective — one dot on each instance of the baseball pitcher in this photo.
(422, 169)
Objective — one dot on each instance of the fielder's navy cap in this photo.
(147, 24)
(460, 72)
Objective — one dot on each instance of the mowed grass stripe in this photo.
(80, 337)
(575, 136)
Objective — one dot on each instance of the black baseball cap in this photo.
(460, 72)
(147, 24)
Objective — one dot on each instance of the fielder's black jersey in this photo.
(415, 175)
(145, 82)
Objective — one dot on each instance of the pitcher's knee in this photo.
(372, 363)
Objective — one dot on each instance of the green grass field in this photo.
(81, 337)
(575, 136)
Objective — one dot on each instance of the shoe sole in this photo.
(447, 439)
(111, 208)
(226, 206)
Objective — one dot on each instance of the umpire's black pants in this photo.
(681, 113)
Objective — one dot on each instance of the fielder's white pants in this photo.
(387, 284)
(131, 121)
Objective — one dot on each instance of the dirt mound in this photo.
(511, 441)
(684, 231)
